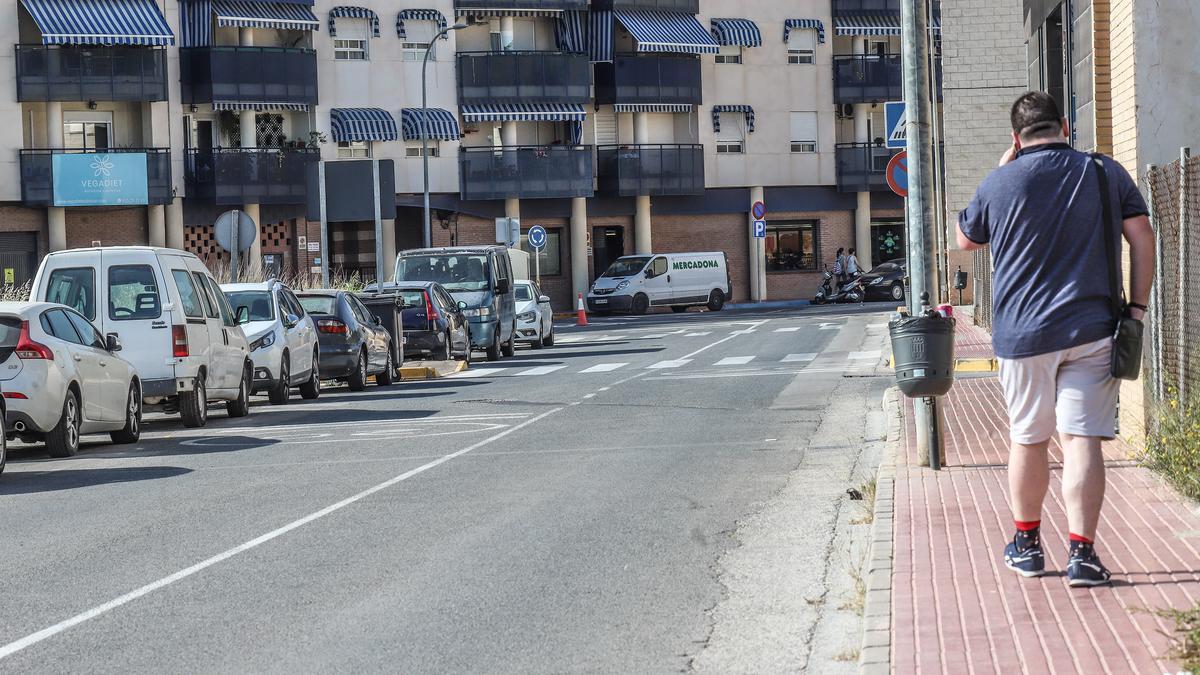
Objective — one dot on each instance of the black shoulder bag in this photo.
(1127, 340)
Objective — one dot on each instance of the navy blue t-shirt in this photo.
(1041, 214)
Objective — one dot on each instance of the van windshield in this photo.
(261, 307)
(456, 272)
(625, 267)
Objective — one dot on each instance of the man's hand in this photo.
(1009, 155)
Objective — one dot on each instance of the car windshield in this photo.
(524, 292)
(260, 304)
(625, 267)
(884, 268)
(318, 304)
(456, 272)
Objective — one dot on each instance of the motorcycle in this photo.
(851, 291)
(826, 290)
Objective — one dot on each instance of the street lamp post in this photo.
(425, 129)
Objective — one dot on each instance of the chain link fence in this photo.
(1174, 354)
(983, 288)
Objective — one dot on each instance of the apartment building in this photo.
(619, 125)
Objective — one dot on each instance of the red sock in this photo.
(1080, 538)
(1027, 525)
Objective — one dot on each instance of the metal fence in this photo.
(982, 291)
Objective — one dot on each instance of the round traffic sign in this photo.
(537, 237)
(758, 210)
(897, 173)
(224, 228)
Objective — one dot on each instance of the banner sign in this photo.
(100, 179)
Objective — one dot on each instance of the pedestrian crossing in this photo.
(832, 362)
(617, 337)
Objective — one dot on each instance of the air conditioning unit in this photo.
(845, 110)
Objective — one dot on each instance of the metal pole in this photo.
(427, 223)
(1184, 231)
(941, 258)
(236, 235)
(537, 266)
(324, 223)
(380, 263)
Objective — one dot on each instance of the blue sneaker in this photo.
(1084, 567)
(1028, 561)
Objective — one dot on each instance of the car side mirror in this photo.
(649, 273)
(462, 306)
(543, 298)
(242, 315)
(378, 321)
(112, 343)
(291, 320)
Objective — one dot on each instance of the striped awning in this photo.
(653, 107)
(440, 124)
(104, 22)
(568, 32)
(667, 32)
(502, 9)
(874, 24)
(253, 14)
(362, 124)
(740, 32)
(718, 109)
(813, 24)
(600, 36)
(419, 15)
(258, 105)
(524, 112)
(353, 13)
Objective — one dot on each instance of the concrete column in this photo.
(156, 222)
(246, 37)
(508, 137)
(389, 251)
(757, 252)
(507, 30)
(643, 241)
(579, 257)
(174, 232)
(156, 133)
(56, 216)
(641, 128)
(862, 231)
(254, 262)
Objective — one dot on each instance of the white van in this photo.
(177, 328)
(635, 283)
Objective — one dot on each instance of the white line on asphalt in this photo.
(604, 368)
(300, 425)
(862, 356)
(788, 329)
(735, 360)
(541, 370)
(701, 333)
(799, 358)
(34, 638)
(475, 372)
(668, 364)
(589, 395)
(724, 339)
(652, 336)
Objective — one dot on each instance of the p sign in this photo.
(537, 237)
(896, 119)
(760, 229)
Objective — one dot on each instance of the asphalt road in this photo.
(652, 494)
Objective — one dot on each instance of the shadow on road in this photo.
(71, 479)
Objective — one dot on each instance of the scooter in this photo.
(825, 292)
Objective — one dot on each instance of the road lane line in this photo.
(699, 333)
(604, 368)
(540, 370)
(675, 363)
(727, 338)
(99, 610)
(735, 361)
(788, 329)
(799, 358)
(475, 372)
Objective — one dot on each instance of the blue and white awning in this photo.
(811, 24)
(254, 14)
(362, 124)
(873, 24)
(524, 112)
(258, 105)
(718, 109)
(353, 13)
(568, 32)
(653, 107)
(740, 32)
(600, 36)
(419, 15)
(667, 32)
(100, 22)
(440, 125)
(501, 10)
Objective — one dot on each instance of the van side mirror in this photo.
(112, 343)
(462, 306)
(649, 273)
(242, 315)
(503, 286)
(543, 298)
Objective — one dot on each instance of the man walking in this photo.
(1053, 321)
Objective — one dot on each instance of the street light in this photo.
(425, 127)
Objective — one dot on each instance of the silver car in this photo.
(282, 336)
(535, 318)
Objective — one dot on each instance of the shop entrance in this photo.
(18, 257)
(887, 241)
(608, 244)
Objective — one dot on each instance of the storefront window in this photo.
(791, 247)
(550, 261)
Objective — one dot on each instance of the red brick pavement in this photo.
(971, 341)
(956, 609)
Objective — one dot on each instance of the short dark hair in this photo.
(1036, 115)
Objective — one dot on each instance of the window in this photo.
(658, 267)
(802, 44)
(84, 130)
(210, 304)
(56, 323)
(319, 304)
(87, 332)
(227, 316)
(791, 247)
(187, 294)
(290, 302)
(730, 54)
(353, 149)
(804, 132)
(550, 260)
(418, 36)
(352, 38)
(258, 303)
(132, 293)
(414, 149)
(361, 313)
(731, 138)
(74, 287)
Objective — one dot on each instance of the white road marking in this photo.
(476, 372)
(735, 360)
(862, 356)
(788, 329)
(877, 325)
(652, 336)
(99, 610)
(799, 358)
(830, 326)
(540, 370)
(586, 396)
(668, 364)
(699, 333)
(604, 367)
(567, 339)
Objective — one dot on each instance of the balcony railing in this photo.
(248, 75)
(523, 77)
(859, 6)
(654, 170)
(685, 6)
(38, 179)
(68, 73)
(862, 167)
(525, 172)
(867, 78)
(649, 80)
(249, 175)
(465, 6)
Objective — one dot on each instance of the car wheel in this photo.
(447, 352)
(511, 347)
(311, 390)
(549, 340)
(358, 378)
(538, 341)
(280, 393)
(679, 309)
(132, 431)
(640, 304)
(897, 291)
(3, 442)
(63, 439)
(493, 350)
(240, 406)
(388, 375)
(193, 405)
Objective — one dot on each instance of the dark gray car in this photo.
(353, 343)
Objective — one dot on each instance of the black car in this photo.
(353, 343)
(885, 281)
(435, 326)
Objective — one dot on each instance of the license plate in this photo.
(600, 301)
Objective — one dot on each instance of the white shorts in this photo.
(1070, 390)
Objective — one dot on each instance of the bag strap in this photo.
(1115, 287)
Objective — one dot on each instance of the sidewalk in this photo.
(954, 606)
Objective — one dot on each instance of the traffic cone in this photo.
(580, 313)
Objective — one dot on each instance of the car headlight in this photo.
(876, 281)
(525, 316)
(622, 285)
(264, 341)
(478, 311)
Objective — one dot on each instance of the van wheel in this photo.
(278, 395)
(640, 304)
(679, 309)
(193, 405)
(493, 350)
(388, 375)
(132, 431)
(358, 378)
(63, 439)
(311, 390)
(511, 347)
(716, 300)
(240, 406)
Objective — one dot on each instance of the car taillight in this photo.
(16, 395)
(430, 312)
(179, 341)
(332, 326)
(27, 349)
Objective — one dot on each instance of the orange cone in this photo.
(580, 313)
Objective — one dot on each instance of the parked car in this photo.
(480, 276)
(885, 281)
(63, 379)
(8, 344)
(435, 325)
(634, 284)
(282, 337)
(179, 332)
(354, 344)
(535, 318)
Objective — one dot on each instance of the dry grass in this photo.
(16, 293)
(846, 656)
(299, 281)
(854, 569)
(867, 503)
(1185, 640)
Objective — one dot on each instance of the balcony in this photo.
(654, 170)
(74, 181)
(684, 6)
(523, 77)
(232, 176)
(525, 172)
(649, 80)
(865, 6)
(275, 75)
(862, 167)
(466, 6)
(65, 73)
(867, 78)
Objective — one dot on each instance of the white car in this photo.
(63, 379)
(283, 339)
(535, 318)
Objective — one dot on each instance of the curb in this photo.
(408, 373)
(769, 304)
(875, 653)
(967, 365)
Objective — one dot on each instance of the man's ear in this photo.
(1066, 128)
(1016, 139)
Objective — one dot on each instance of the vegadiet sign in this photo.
(100, 179)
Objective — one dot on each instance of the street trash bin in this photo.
(388, 306)
(923, 354)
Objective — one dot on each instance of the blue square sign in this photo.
(897, 120)
(760, 229)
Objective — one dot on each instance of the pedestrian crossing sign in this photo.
(897, 121)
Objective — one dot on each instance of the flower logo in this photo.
(102, 166)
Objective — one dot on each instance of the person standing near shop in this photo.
(852, 269)
(839, 267)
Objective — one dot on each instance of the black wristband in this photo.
(1138, 305)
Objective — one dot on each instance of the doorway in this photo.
(18, 257)
(608, 244)
(887, 241)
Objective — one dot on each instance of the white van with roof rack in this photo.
(176, 325)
